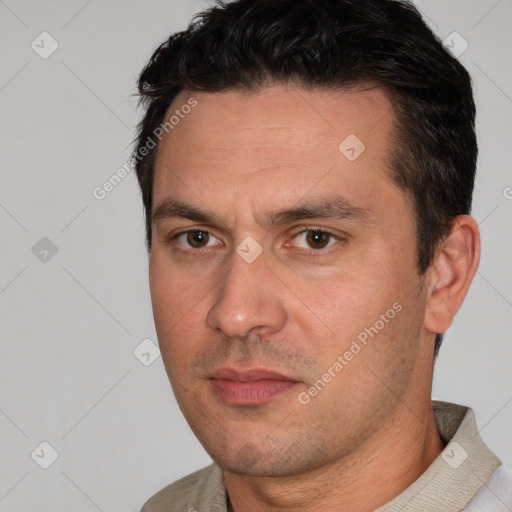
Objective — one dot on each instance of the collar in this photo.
(457, 474)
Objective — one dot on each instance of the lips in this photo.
(249, 387)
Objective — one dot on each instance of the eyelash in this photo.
(305, 252)
(174, 236)
(317, 253)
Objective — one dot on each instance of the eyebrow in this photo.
(332, 207)
(172, 208)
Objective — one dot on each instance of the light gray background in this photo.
(68, 375)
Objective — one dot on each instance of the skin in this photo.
(240, 157)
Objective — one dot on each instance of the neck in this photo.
(361, 481)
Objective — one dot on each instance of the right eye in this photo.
(196, 239)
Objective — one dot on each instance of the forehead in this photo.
(276, 144)
(281, 113)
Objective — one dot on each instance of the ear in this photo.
(450, 274)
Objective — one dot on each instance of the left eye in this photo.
(197, 239)
(314, 239)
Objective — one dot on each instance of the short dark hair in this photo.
(247, 44)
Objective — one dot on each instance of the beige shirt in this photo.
(463, 477)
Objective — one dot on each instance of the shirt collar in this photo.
(457, 474)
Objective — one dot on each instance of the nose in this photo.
(248, 300)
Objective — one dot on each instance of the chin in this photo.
(272, 462)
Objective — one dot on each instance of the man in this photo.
(306, 169)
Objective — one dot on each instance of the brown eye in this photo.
(318, 239)
(198, 239)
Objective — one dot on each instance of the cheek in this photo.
(374, 308)
(338, 306)
(179, 309)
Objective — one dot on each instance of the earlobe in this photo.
(451, 273)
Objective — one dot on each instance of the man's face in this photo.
(280, 248)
